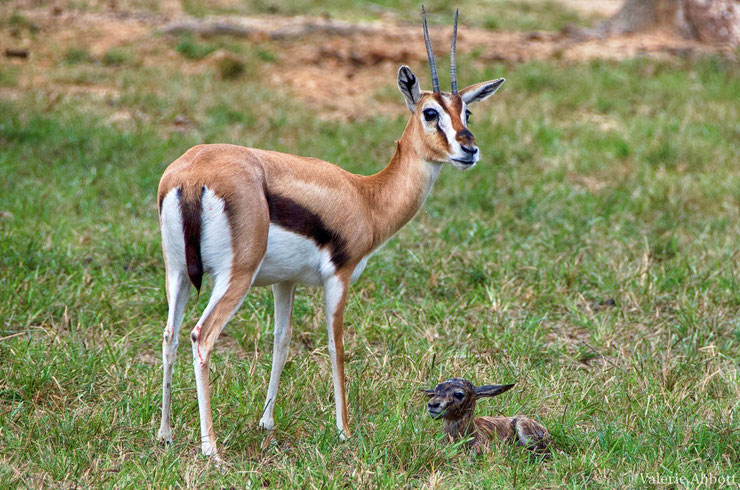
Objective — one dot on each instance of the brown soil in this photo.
(604, 8)
(341, 76)
(338, 75)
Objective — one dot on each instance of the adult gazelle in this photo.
(261, 218)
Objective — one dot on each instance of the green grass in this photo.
(9, 76)
(115, 57)
(492, 14)
(591, 257)
(75, 56)
(193, 50)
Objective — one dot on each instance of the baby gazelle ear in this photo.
(408, 84)
(491, 390)
(480, 91)
(429, 393)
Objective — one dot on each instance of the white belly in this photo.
(293, 257)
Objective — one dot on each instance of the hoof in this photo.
(210, 452)
(165, 436)
(267, 424)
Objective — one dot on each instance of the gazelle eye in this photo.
(430, 115)
(467, 115)
(459, 395)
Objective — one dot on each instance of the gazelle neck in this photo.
(462, 427)
(398, 191)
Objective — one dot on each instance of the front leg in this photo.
(284, 294)
(335, 293)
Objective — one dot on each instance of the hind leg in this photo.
(233, 242)
(532, 435)
(178, 288)
(228, 294)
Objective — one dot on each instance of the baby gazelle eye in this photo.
(467, 115)
(430, 115)
(459, 395)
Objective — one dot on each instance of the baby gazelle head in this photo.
(453, 398)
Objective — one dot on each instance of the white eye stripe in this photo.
(434, 106)
(443, 122)
(443, 119)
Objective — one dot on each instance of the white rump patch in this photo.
(173, 239)
(215, 233)
(215, 247)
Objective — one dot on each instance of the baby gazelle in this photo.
(454, 401)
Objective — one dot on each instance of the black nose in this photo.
(465, 137)
(470, 150)
(433, 405)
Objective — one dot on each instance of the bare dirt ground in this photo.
(604, 8)
(330, 64)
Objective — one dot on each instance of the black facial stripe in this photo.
(295, 217)
(442, 135)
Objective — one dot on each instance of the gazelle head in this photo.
(441, 118)
(453, 398)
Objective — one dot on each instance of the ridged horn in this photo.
(430, 53)
(453, 65)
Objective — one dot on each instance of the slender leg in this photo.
(178, 288)
(335, 291)
(284, 294)
(227, 297)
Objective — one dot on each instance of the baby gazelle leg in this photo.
(532, 435)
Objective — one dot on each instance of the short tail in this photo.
(190, 208)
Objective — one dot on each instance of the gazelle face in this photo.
(443, 117)
(442, 120)
(450, 398)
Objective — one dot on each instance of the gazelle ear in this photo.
(408, 84)
(429, 393)
(480, 91)
(491, 390)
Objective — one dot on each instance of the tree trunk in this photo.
(713, 21)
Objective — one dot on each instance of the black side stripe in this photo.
(298, 219)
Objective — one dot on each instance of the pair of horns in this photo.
(430, 55)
